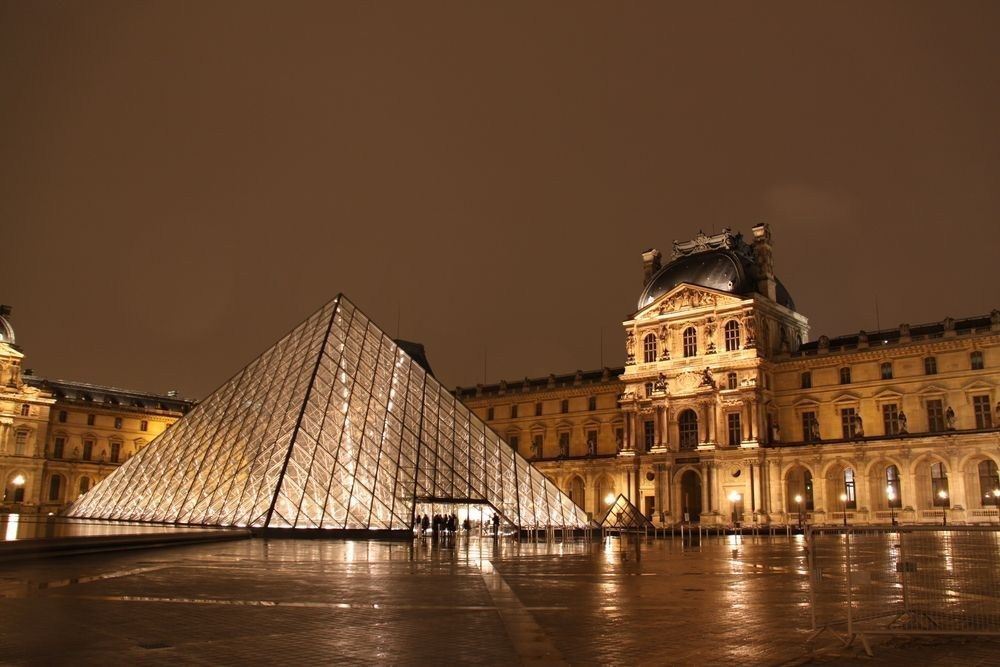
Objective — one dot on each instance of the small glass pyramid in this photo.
(334, 427)
(623, 514)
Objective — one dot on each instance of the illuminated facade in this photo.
(336, 427)
(58, 438)
(723, 412)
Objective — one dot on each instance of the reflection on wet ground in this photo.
(726, 600)
(31, 526)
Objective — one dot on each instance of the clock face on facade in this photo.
(735, 472)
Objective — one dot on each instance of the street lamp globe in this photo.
(610, 498)
(734, 497)
(18, 481)
(798, 499)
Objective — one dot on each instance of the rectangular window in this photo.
(935, 416)
(536, 447)
(512, 439)
(930, 365)
(144, 425)
(648, 434)
(890, 418)
(735, 429)
(592, 403)
(118, 422)
(62, 416)
(513, 411)
(59, 448)
(981, 407)
(489, 414)
(807, 380)
(90, 420)
(564, 444)
(538, 409)
(810, 427)
(25, 410)
(976, 360)
(88, 449)
(849, 490)
(848, 423)
(845, 375)
(732, 381)
(886, 370)
(116, 450)
(564, 406)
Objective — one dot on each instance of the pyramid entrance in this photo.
(334, 428)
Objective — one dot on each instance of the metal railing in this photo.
(913, 580)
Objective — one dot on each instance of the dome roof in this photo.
(6, 330)
(723, 270)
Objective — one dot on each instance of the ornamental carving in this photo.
(687, 381)
(689, 298)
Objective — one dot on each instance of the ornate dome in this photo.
(722, 269)
(6, 330)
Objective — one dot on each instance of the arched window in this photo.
(55, 487)
(649, 348)
(732, 335)
(849, 489)
(690, 341)
(989, 483)
(84, 485)
(892, 489)
(939, 486)
(688, 425)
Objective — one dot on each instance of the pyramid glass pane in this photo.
(334, 427)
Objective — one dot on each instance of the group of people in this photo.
(441, 523)
(447, 524)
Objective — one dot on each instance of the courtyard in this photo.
(726, 600)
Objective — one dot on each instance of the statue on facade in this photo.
(661, 384)
(630, 348)
(750, 329)
(564, 445)
(536, 448)
(902, 423)
(706, 378)
(591, 446)
(949, 419)
(859, 426)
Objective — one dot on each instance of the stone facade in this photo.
(722, 413)
(59, 438)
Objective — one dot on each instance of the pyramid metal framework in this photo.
(334, 427)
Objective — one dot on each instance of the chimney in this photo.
(650, 265)
(765, 266)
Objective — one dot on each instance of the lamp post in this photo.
(943, 495)
(890, 493)
(798, 501)
(843, 507)
(734, 497)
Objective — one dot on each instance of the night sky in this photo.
(183, 182)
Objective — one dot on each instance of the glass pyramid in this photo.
(334, 427)
(623, 514)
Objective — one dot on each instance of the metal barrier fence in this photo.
(921, 580)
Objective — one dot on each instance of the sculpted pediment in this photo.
(686, 297)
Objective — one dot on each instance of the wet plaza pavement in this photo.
(728, 600)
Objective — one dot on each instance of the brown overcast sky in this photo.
(182, 182)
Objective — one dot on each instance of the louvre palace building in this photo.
(60, 438)
(724, 413)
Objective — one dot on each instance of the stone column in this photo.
(754, 421)
(712, 420)
(665, 425)
(956, 484)
(705, 481)
(657, 427)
